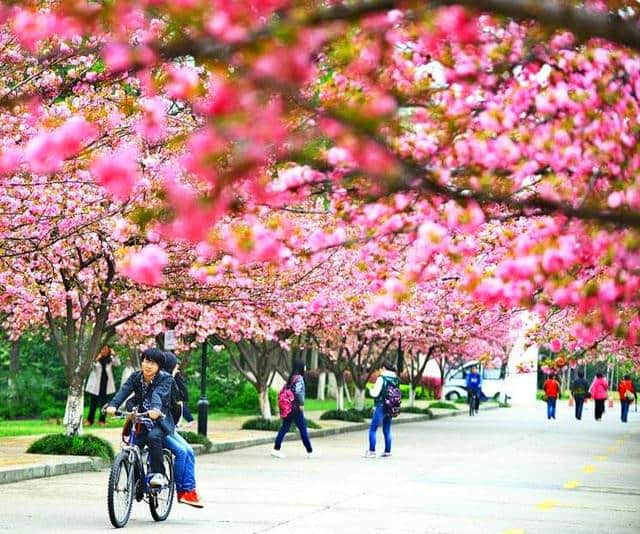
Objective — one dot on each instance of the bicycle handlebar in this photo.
(124, 413)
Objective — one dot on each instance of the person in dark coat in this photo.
(151, 388)
(579, 392)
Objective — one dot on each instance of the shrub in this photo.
(353, 416)
(444, 405)
(367, 413)
(420, 392)
(415, 409)
(54, 412)
(259, 423)
(192, 437)
(86, 445)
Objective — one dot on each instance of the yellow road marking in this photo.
(571, 484)
(612, 449)
(514, 531)
(600, 458)
(588, 468)
(546, 505)
(620, 442)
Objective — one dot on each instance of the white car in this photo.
(493, 382)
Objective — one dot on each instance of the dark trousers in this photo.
(296, 416)
(599, 410)
(624, 407)
(579, 404)
(97, 402)
(152, 438)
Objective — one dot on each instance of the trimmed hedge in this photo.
(192, 437)
(444, 405)
(87, 445)
(352, 416)
(259, 423)
(415, 409)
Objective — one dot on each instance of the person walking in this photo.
(101, 383)
(599, 391)
(551, 389)
(628, 394)
(295, 384)
(386, 378)
(579, 391)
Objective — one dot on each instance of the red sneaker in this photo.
(191, 498)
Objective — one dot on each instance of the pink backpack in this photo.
(286, 398)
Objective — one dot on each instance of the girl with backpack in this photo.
(386, 382)
(291, 403)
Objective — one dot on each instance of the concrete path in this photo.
(506, 471)
(225, 434)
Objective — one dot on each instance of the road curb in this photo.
(65, 465)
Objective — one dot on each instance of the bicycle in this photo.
(130, 477)
(473, 400)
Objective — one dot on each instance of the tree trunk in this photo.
(14, 365)
(412, 394)
(340, 396)
(74, 411)
(265, 408)
(359, 398)
(322, 382)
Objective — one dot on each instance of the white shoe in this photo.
(369, 454)
(314, 454)
(386, 455)
(277, 454)
(158, 480)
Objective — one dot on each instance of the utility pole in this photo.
(203, 402)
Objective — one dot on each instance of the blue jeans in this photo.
(296, 416)
(579, 404)
(380, 417)
(184, 466)
(624, 406)
(551, 407)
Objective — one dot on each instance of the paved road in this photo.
(505, 471)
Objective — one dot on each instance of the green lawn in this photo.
(30, 427)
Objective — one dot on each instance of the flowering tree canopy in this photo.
(324, 166)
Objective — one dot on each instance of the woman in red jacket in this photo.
(627, 395)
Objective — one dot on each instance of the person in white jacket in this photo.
(101, 383)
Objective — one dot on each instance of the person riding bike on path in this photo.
(474, 384)
(551, 389)
(378, 392)
(296, 384)
(151, 388)
(579, 392)
(184, 467)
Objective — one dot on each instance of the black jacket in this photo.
(158, 394)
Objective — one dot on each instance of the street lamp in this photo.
(203, 403)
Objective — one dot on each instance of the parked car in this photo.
(493, 381)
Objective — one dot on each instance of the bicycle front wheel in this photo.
(120, 492)
(161, 500)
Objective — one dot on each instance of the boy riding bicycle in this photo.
(151, 390)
